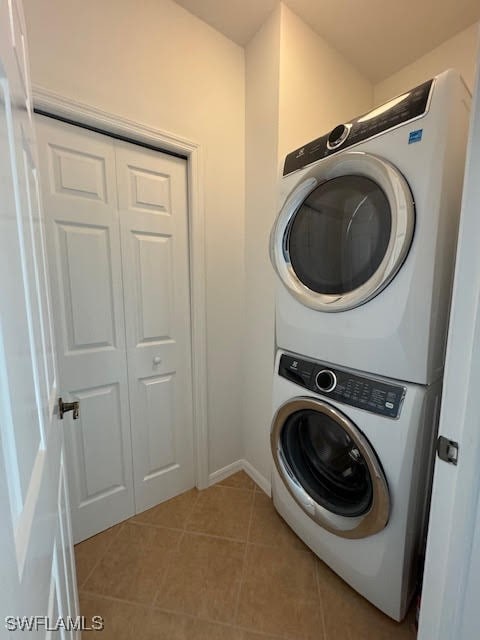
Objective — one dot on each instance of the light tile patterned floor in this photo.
(219, 564)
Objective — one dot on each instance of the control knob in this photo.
(326, 380)
(338, 136)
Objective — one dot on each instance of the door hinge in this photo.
(447, 450)
(63, 407)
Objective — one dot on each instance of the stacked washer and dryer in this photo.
(364, 250)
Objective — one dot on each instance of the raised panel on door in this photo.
(86, 286)
(152, 195)
(153, 257)
(156, 396)
(79, 191)
(31, 437)
(98, 438)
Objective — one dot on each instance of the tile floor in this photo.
(219, 564)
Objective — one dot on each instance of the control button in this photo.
(326, 380)
(338, 136)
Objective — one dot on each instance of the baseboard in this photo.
(224, 472)
(257, 477)
(239, 465)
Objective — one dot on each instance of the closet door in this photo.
(152, 198)
(79, 190)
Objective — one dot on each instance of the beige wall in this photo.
(459, 52)
(262, 91)
(155, 63)
(297, 88)
(319, 88)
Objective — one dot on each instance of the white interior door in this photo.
(80, 199)
(37, 571)
(451, 587)
(152, 198)
(118, 249)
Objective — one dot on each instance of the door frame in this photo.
(56, 105)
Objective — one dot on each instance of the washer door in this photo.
(344, 232)
(330, 468)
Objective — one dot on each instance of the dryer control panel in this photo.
(408, 106)
(363, 392)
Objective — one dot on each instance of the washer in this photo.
(364, 244)
(352, 458)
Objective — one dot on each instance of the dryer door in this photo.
(330, 468)
(343, 232)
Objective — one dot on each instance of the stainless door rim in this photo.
(400, 199)
(376, 518)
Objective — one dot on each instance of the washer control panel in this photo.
(363, 392)
(409, 106)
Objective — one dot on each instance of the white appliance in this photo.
(364, 244)
(352, 456)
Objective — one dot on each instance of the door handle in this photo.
(157, 360)
(63, 407)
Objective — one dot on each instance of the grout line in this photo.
(194, 506)
(102, 555)
(229, 486)
(163, 578)
(285, 548)
(96, 594)
(229, 539)
(170, 560)
(320, 597)
(226, 486)
(152, 608)
(154, 526)
(229, 625)
(244, 562)
(215, 537)
(219, 485)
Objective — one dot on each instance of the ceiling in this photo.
(378, 36)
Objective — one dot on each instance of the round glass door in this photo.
(330, 468)
(327, 463)
(339, 235)
(344, 232)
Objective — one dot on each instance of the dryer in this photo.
(364, 244)
(352, 475)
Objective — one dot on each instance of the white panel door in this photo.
(37, 574)
(79, 194)
(152, 198)
(451, 583)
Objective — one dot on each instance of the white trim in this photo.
(63, 107)
(225, 472)
(241, 465)
(257, 477)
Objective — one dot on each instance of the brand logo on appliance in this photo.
(415, 136)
